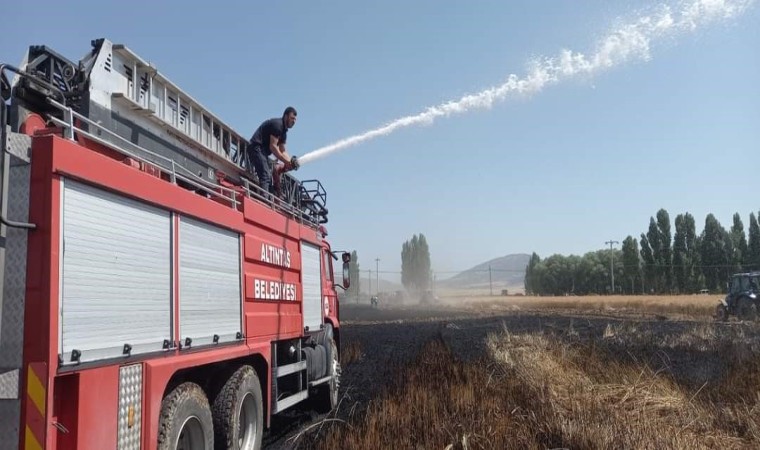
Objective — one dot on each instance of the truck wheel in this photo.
(327, 395)
(721, 313)
(185, 422)
(747, 309)
(238, 412)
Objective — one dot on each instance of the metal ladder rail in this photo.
(176, 109)
(250, 189)
(170, 165)
(69, 128)
(255, 191)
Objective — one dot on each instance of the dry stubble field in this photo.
(523, 372)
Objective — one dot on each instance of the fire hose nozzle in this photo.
(293, 164)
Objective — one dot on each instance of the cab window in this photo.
(327, 264)
(736, 285)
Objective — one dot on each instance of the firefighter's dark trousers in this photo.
(263, 170)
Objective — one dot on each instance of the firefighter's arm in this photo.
(278, 149)
(281, 153)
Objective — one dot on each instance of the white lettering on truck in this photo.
(273, 290)
(275, 255)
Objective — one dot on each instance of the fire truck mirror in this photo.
(346, 257)
(346, 277)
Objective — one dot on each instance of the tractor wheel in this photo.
(185, 421)
(721, 312)
(747, 310)
(239, 412)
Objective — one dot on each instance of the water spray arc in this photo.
(629, 41)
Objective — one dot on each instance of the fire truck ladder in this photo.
(122, 92)
(150, 94)
(117, 99)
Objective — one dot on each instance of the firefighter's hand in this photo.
(294, 163)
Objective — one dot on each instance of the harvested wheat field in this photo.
(522, 372)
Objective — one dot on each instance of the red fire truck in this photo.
(153, 295)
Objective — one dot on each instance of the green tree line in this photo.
(662, 261)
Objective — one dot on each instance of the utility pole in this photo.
(369, 282)
(377, 274)
(612, 260)
(490, 280)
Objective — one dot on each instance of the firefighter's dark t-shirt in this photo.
(271, 127)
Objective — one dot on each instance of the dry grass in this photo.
(695, 306)
(631, 387)
(350, 352)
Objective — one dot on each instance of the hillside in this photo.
(385, 285)
(507, 270)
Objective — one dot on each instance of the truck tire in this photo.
(327, 395)
(185, 421)
(721, 313)
(747, 309)
(238, 412)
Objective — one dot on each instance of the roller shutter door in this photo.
(312, 286)
(210, 301)
(116, 275)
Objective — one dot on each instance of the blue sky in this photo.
(578, 163)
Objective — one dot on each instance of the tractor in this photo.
(742, 298)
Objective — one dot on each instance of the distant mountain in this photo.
(505, 271)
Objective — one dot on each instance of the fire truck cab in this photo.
(153, 297)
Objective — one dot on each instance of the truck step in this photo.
(287, 402)
(320, 381)
(288, 369)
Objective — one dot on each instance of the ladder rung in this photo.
(129, 103)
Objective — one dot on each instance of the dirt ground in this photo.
(378, 341)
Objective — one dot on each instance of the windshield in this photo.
(736, 285)
(327, 264)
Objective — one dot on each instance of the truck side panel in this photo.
(87, 407)
(13, 268)
(273, 294)
(40, 317)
